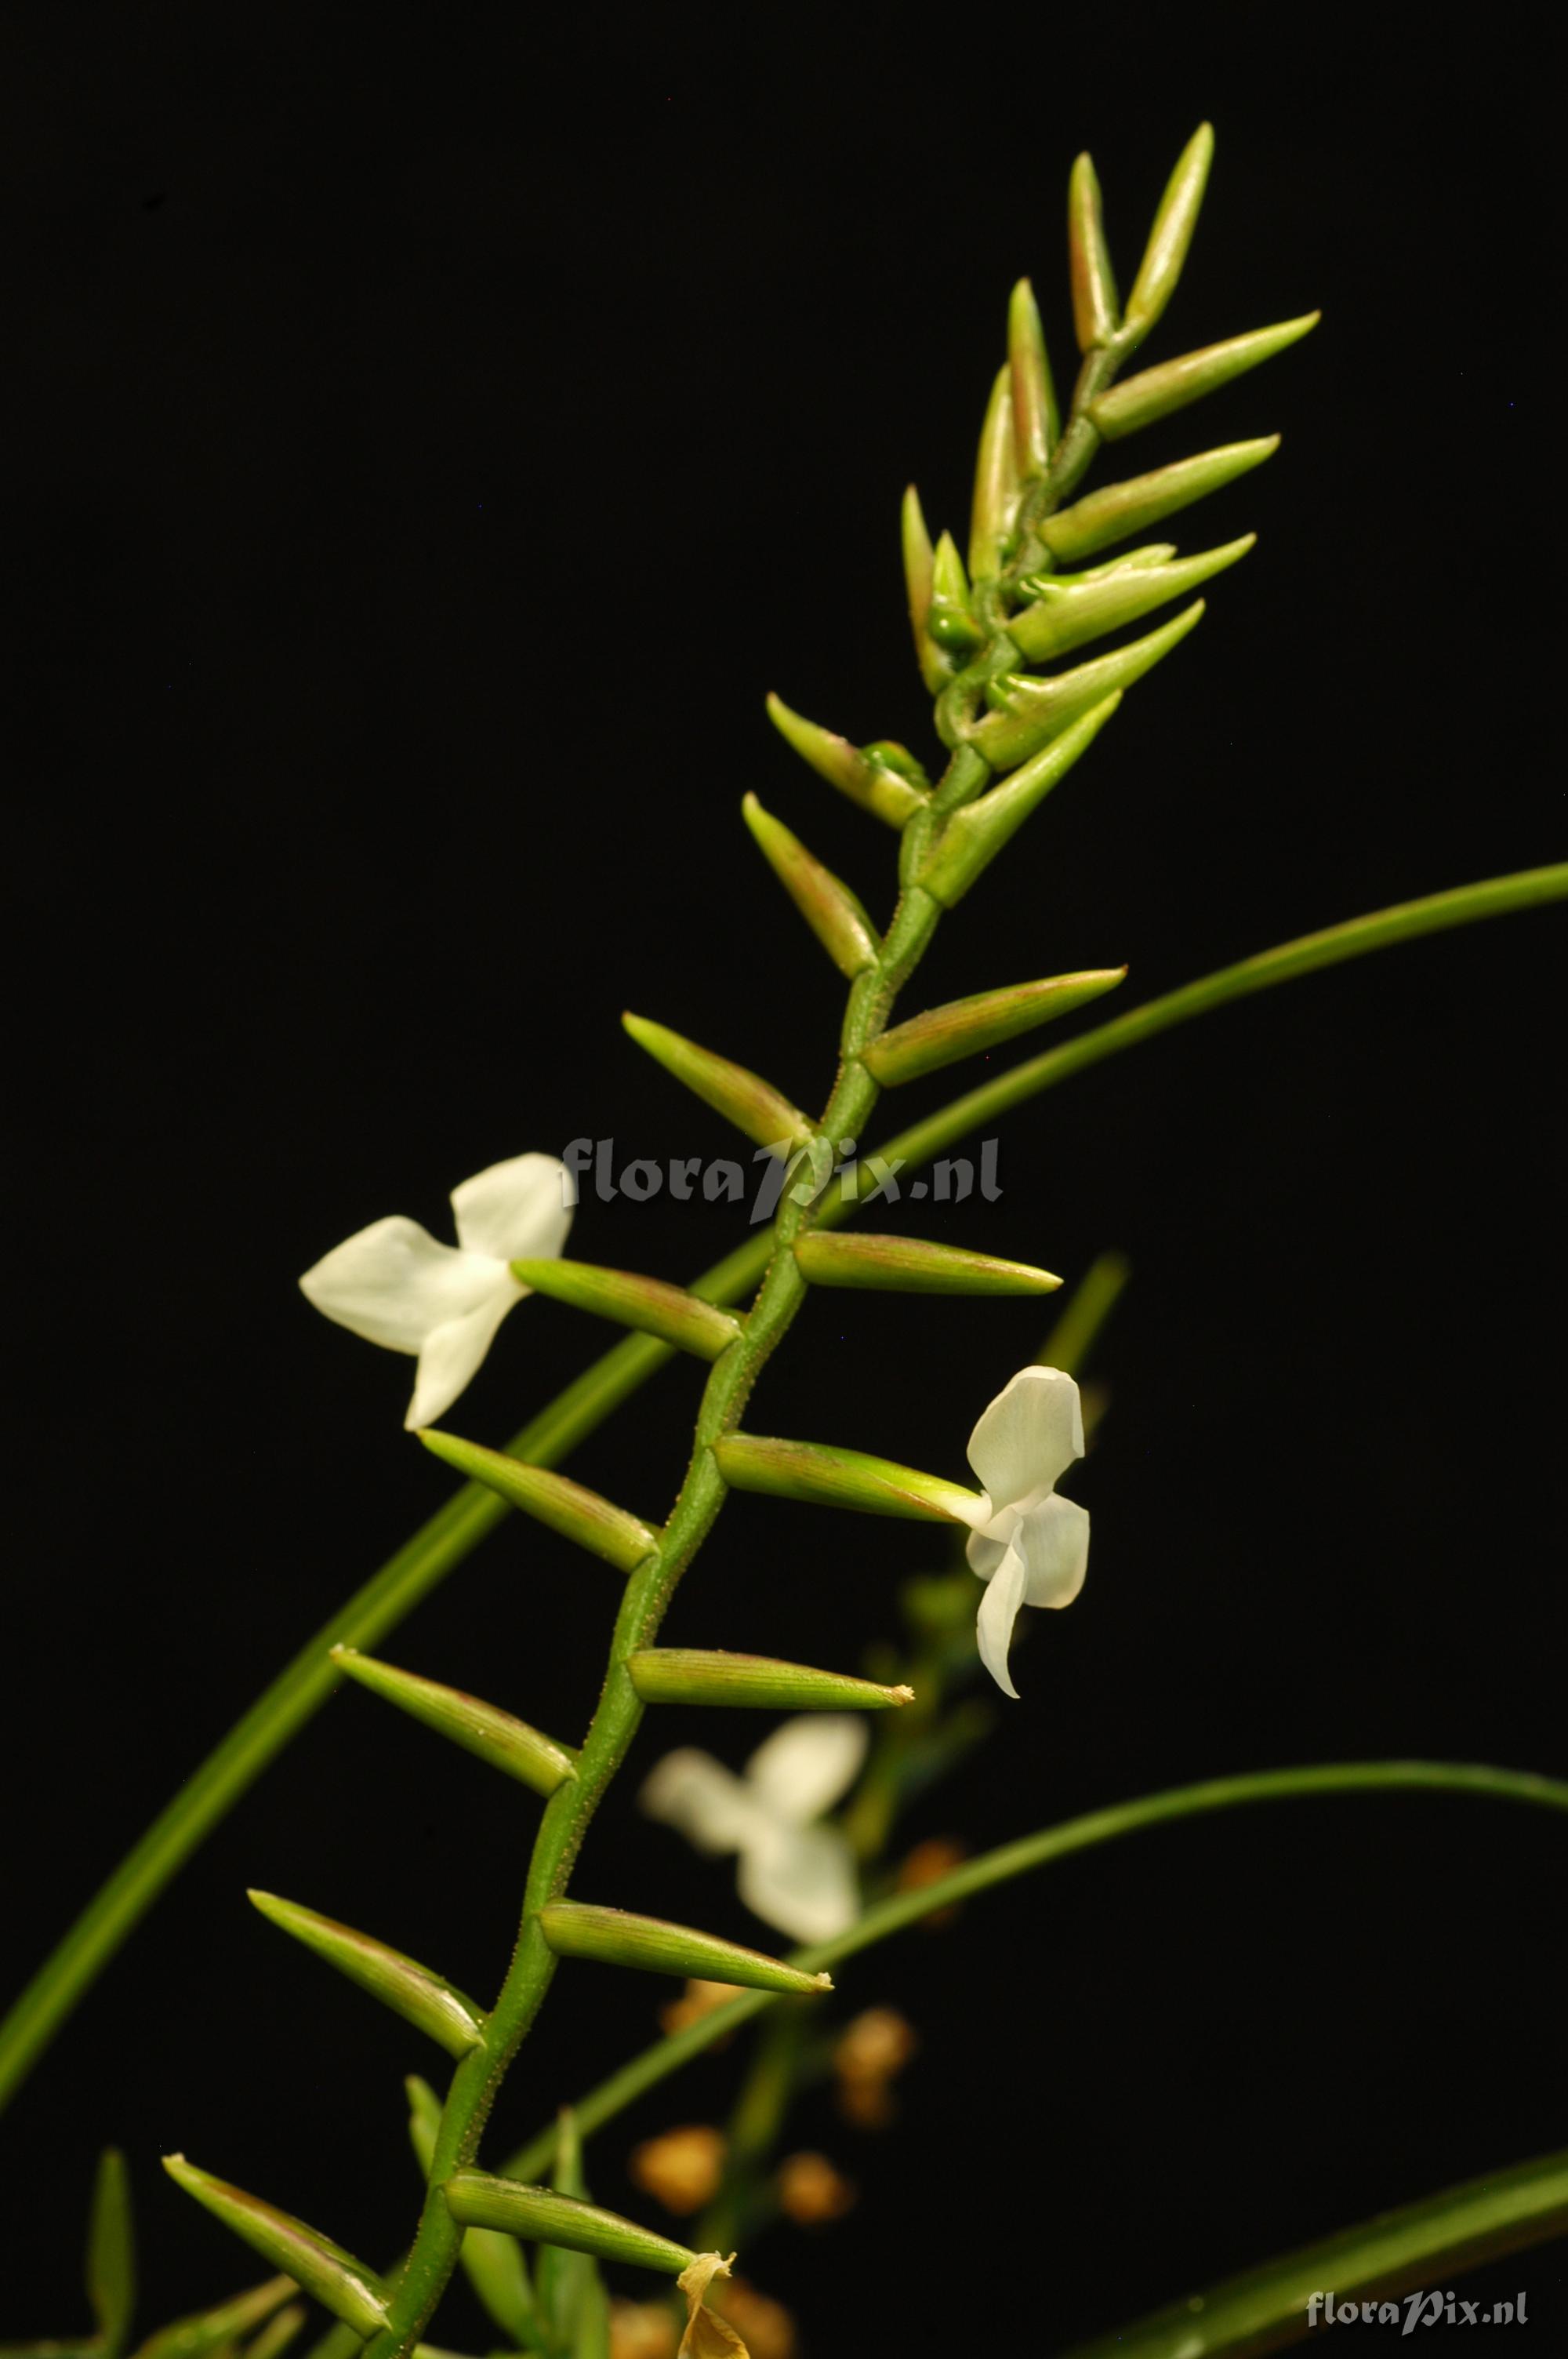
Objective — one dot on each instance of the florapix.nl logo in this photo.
(811, 1174)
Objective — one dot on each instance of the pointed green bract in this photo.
(919, 565)
(1030, 712)
(1157, 393)
(829, 908)
(1095, 314)
(1035, 423)
(973, 836)
(541, 2216)
(1071, 612)
(496, 1737)
(1171, 235)
(828, 1476)
(578, 1514)
(996, 482)
(493, 2265)
(697, 1675)
(411, 1990)
(952, 623)
(647, 1304)
(336, 2279)
(910, 1266)
(847, 767)
(112, 2252)
(757, 1110)
(220, 2328)
(615, 1936)
(966, 1028)
(1121, 509)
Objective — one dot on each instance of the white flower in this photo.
(794, 1873)
(396, 1285)
(1029, 1547)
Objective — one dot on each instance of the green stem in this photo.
(441, 1544)
(1000, 1866)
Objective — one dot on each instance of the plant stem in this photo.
(668, 2056)
(441, 1544)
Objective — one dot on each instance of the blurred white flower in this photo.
(794, 1873)
(396, 1285)
(1028, 1546)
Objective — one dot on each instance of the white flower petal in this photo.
(808, 1764)
(801, 1880)
(1053, 1542)
(393, 1283)
(1030, 1435)
(451, 1354)
(707, 1803)
(984, 1553)
(999, 1611)
(515, 1211)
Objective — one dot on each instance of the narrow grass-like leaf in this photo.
(1028, 713)
(563, 2275)
(1157, 393)
(827, 1476)
(973, 836)
(1381, 2258)
(1035, 421)
(912, 1266)
(622, 1539)
(829, 908)
(844, 766)
(112, 2252)
(220, 2328)
(1117, 511)
(337, 2280)
(615, 1936)
(996, 482)
(1083, 1314)
(697, 1675)
(1069, 614)
(1095, 314)
(1171, 234)
(479, 2199)
(968, 1027)
(753, 1105)
(935, 663)
(492, 2263)
(648, 1304)
(480, 1728)
(413, 1991)
(278, 2332)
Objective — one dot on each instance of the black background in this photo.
(430, 442)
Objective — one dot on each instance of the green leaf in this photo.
(1072, 612)
(492, 2263)
(1171, 235)
(425, 1999)
(1095, 314)
(480, 1728)
(615, 1936)
(846, 767)
(337, 2281)
(1142, 401)
(974, 835)
(968, 1027)
(607, 1531)
(753, 1105)
(912, 1266)
(829, 908)
(479, 2199)
(220, 2329)
(278, 2332)
(112, 2252)
(1027, 714)
(1121, 509)
(827, 1476)
(648, 1304)
(1380, 2259)
(694, 1675)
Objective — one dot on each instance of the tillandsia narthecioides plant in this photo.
(1005, 636)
